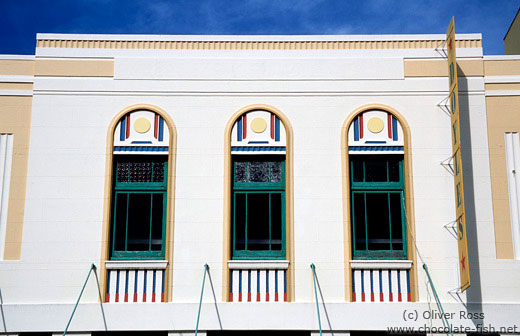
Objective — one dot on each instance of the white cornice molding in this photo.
(258, 264)
(380, 264)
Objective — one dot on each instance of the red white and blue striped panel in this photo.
(135, 285)
(381, 285)
(257, 286)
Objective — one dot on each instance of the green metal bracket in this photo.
(313, 268)
(92, 267)
(206, 270)
(444, 320)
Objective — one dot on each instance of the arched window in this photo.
(258, 143)
(257, 206)
(377, 186)
(139, 187)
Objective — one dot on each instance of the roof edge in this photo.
(277, 38)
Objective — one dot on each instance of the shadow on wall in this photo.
(474, 292)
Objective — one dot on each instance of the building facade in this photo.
(150, 157)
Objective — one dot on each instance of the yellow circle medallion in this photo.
(142, 125)
(258, 125)
(375, 125)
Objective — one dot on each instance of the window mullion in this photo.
(366, 221)
(151, 222)
(390, 221)
(114, 221)
(126, 220)
(270, 222)
(245, 231)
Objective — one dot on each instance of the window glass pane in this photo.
(139, 222)
(240, 221)
(258, 171)
(397, 220)
(120, 222)
(158, 171)
(393, 170)
(375, 171)
(359, 221)
(157, 221)
(276, 221)
(240, 171)
(378, 225)
(357, 170)
(140, 172)
(276, 171)
(258, 221)
(122, 171)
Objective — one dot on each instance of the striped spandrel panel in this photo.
(135, 285)
(258, 285)
(381, 285)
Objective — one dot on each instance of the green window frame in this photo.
(378, 215)
(258, 201)
(139, 207)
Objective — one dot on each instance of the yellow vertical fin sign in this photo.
(457, 158)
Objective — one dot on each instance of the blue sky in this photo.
(22, 19)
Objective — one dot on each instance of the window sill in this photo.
(136, 264)
(380, 264)
(258, 264)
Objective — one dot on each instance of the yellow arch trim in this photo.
(105, 242)
(289, 228)
(410, 223)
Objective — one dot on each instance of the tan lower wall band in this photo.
(502, 68)
(503, 86)
(74, 68)
(502, 117)
(252, 45)
(15, 118)
(16, 86)
(16, 67)
(439, 68)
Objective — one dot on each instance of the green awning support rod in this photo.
(444, 320)
(92, 267)
(316, 294)
(206, 270)
(2, 310)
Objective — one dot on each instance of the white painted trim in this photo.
(6, 160)
(502, 93)
(512, 147)
(16, 93)
(258, 264)
(17, 57)
(381, 264)
(136, 264)
(501, 57)
(17, 79)
(110, 37)
(255, 92)
(501, 79)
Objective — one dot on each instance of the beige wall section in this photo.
(16, 86)
(502, 116)
(512, 39)
(9, 67)
(252, 45)
(502, 67)
(15, 118)
(503, 86)
(439, 68)
(74, 68)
